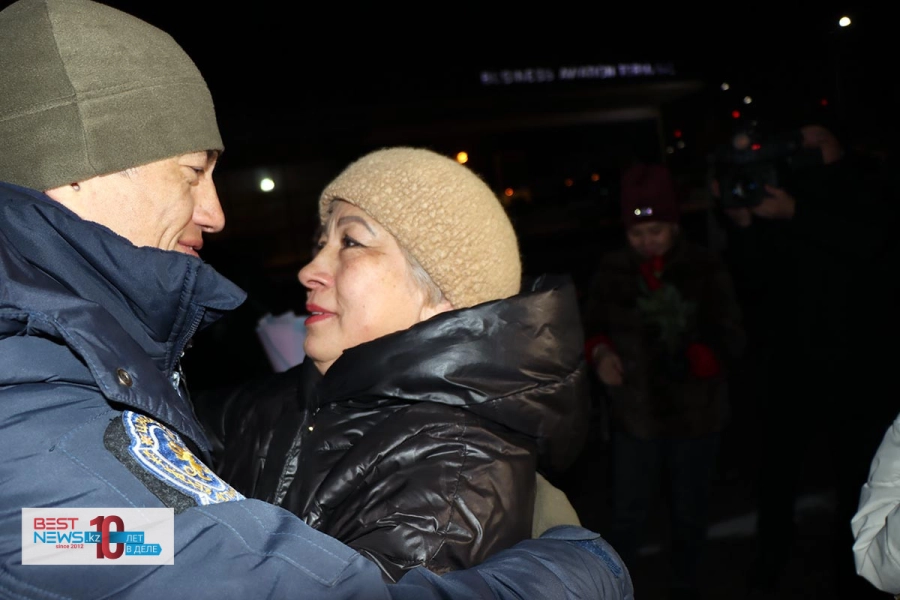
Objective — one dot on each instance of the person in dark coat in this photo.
(434, 388)
(818, 251)
(664, 328)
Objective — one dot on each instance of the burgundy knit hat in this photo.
(648, 194)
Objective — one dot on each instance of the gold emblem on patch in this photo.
(163, 453)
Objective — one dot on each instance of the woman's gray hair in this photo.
(433, 294)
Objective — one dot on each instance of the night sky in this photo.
(309, 62)
(308, 77)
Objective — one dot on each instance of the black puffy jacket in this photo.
(420, 447)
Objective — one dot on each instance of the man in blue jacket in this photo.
(108, 141)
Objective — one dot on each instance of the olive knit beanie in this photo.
(442, 213)
(89, 90)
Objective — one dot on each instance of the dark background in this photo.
(307, 81)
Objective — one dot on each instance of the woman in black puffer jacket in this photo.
(433, 389)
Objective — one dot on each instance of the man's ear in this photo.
(79, 197)
(64, 193)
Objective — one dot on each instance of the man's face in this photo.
(168, 204)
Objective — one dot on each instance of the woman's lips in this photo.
(317, 314)
(316, 318)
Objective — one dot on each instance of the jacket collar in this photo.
(516, 361)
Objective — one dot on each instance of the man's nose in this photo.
(208, 213)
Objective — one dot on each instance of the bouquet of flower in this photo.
(661, 304)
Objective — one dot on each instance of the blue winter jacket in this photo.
(91, 333)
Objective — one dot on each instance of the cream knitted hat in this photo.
(89, 90)
(440, 212)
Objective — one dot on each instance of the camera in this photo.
(753, 160)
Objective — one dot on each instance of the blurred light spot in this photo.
(266, 184)
(725, 87)
(844, 21)
(747, 99)
(462, 157)
(741, 141)
(569, 182)
(508, 192)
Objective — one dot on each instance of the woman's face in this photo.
(359, 287)
(652, 238)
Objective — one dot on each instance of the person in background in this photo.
(434, 388)
(817, 255)
(109, 141)
(875, 528)
(663, 326)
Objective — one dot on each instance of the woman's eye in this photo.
(349, 242)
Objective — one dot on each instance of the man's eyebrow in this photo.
(355, 219)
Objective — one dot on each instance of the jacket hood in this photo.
(517, 361)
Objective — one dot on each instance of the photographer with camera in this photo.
(809, 231)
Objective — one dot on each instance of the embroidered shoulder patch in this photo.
(163, 454)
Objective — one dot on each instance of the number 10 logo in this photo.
(103, 525)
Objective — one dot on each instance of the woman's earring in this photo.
(76, 187)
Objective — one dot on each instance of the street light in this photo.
(838, 52)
